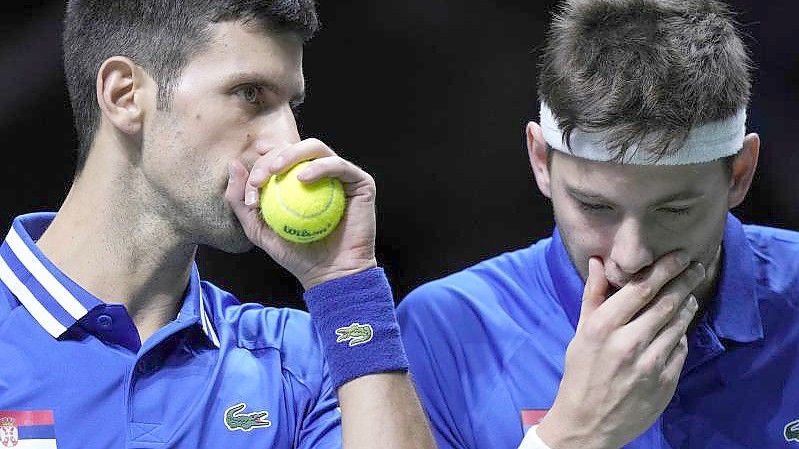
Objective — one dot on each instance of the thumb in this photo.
(234, 193)
(596, 287)
(249, 216)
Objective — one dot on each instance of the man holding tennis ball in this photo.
(109, 337)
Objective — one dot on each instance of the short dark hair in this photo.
(159, 35)
(643, 71)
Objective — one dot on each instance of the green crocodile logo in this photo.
(245, 421)
(792, 431)
(355, 333)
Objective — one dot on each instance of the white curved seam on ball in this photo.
(299, 215)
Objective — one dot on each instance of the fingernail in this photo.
(251, 198)
(230, 171)
(701, 269)
(305, 174)
(683, 258)
(693, 305)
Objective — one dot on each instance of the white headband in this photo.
(704, 143)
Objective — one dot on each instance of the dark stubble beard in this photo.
(223, 230)
(207, 219)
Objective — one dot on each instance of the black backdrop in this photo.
(431, 97)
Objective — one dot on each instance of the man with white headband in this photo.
(652, 318)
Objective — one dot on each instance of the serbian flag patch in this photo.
(532, 417)
(34, 429)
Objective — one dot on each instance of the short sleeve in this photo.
(434, 367)
(321, 427)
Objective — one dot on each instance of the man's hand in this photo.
(380, 409)
(348, 250)
(623, 364)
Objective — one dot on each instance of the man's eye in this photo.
(593, 207)
(677, 210)
(249, 94)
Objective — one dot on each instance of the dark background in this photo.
(431, 97)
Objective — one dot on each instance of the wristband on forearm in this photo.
(532, 441)
(354, 317)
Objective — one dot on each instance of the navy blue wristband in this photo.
(354, 317)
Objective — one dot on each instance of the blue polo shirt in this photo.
(487, 348)
(73, 373)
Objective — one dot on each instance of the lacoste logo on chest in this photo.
(792, 431)
(235, 420)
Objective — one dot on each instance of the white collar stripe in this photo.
(49, 301)
(203, 319)
(206, 321)
(66, 299)
(35, 308)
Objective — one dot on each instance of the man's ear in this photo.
(538, 154)
(743, 170)
(120, 94)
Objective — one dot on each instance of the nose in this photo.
(631, 250)
(277, 129)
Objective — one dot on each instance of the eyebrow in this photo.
(256, 78)
(679, 196)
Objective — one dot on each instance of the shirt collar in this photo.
(734, 312)
(568, 284)
(197, 307)
(52, 298)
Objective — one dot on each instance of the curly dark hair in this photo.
(643, 71)
(159, 35)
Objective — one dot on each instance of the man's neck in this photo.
(119, 252)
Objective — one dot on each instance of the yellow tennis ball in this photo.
(300, 212)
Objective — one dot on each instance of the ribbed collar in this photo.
(52, 298)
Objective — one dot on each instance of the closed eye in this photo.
(676, 210)
(593, 207)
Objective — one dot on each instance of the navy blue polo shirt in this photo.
(73, 373)
(487, 347)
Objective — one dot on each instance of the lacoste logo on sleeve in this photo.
(245, 421)
(355, 333)
(792, 431)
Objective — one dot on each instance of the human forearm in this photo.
(348, 297)
(383, 410)
(355, 318)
